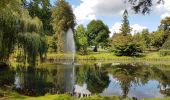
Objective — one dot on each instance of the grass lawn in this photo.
(151, 57)
(15, 96)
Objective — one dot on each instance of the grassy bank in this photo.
(15, 96)
(151, 57)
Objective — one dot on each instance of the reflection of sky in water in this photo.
(149, 90)
(63, 79)
(113, 88)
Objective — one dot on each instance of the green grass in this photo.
(157, 99)
(16, 96)
(103, 56)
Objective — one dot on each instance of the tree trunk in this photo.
(95, 48)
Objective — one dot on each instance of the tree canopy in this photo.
(125, 27)
(81, 39)
(97, 33)
(14, 19)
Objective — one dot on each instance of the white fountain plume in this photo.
(70, 44)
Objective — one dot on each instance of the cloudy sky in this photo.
(110, 11)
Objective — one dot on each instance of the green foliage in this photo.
(164, 52)
(33, 45)
(143, 38)
(97, 33)
(166, 45)
(81, 39)
(143, 6)
(125, 27)
(42, 10)
(17, 29)
(165, 49)
(52, 43)
(123, 43)
(157, 39)
(165, 23)
(62, 19)
(125, 46)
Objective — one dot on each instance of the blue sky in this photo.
(110, 11)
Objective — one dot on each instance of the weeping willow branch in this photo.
(14, 20)
(33, 45)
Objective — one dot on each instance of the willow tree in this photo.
(62, 19)
(14, 19)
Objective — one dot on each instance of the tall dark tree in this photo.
(125, 27)
(63, 18)
(97, 33)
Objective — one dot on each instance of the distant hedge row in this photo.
(164, 52)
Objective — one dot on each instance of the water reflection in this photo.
(132, 80)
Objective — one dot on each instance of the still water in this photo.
(128, 80)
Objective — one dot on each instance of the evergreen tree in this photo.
(125, 28)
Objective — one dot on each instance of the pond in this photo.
(138, 80)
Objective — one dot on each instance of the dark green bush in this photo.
(131, 49)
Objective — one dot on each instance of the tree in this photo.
(42, 10)
(157, 39)
(15, 22)
(97, 33)
(52, 43)
(138, 38)
(165, 24)
(125, 46)
(143, 6)
(81, 39)
(62, 19)
(125, 28)
(146, 38)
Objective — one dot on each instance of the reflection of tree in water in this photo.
(6, 77)
(129, 74)
(95, 78)
(161, 73)
(33, 81)
(62, 78)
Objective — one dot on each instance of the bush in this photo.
(164, 52)
(130, 49)
(125, 46)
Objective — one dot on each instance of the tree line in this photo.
(32, 28)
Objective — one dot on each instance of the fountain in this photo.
(70, 51)
(70, 44)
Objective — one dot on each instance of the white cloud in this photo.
(84, 11)
(115, 28)
(109, 8)
(135, 28)
(89, 9)
(163, 9)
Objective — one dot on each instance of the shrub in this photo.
(125, 46)
(131, 49)
(164, 52)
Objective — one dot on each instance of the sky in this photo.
(110, 12)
